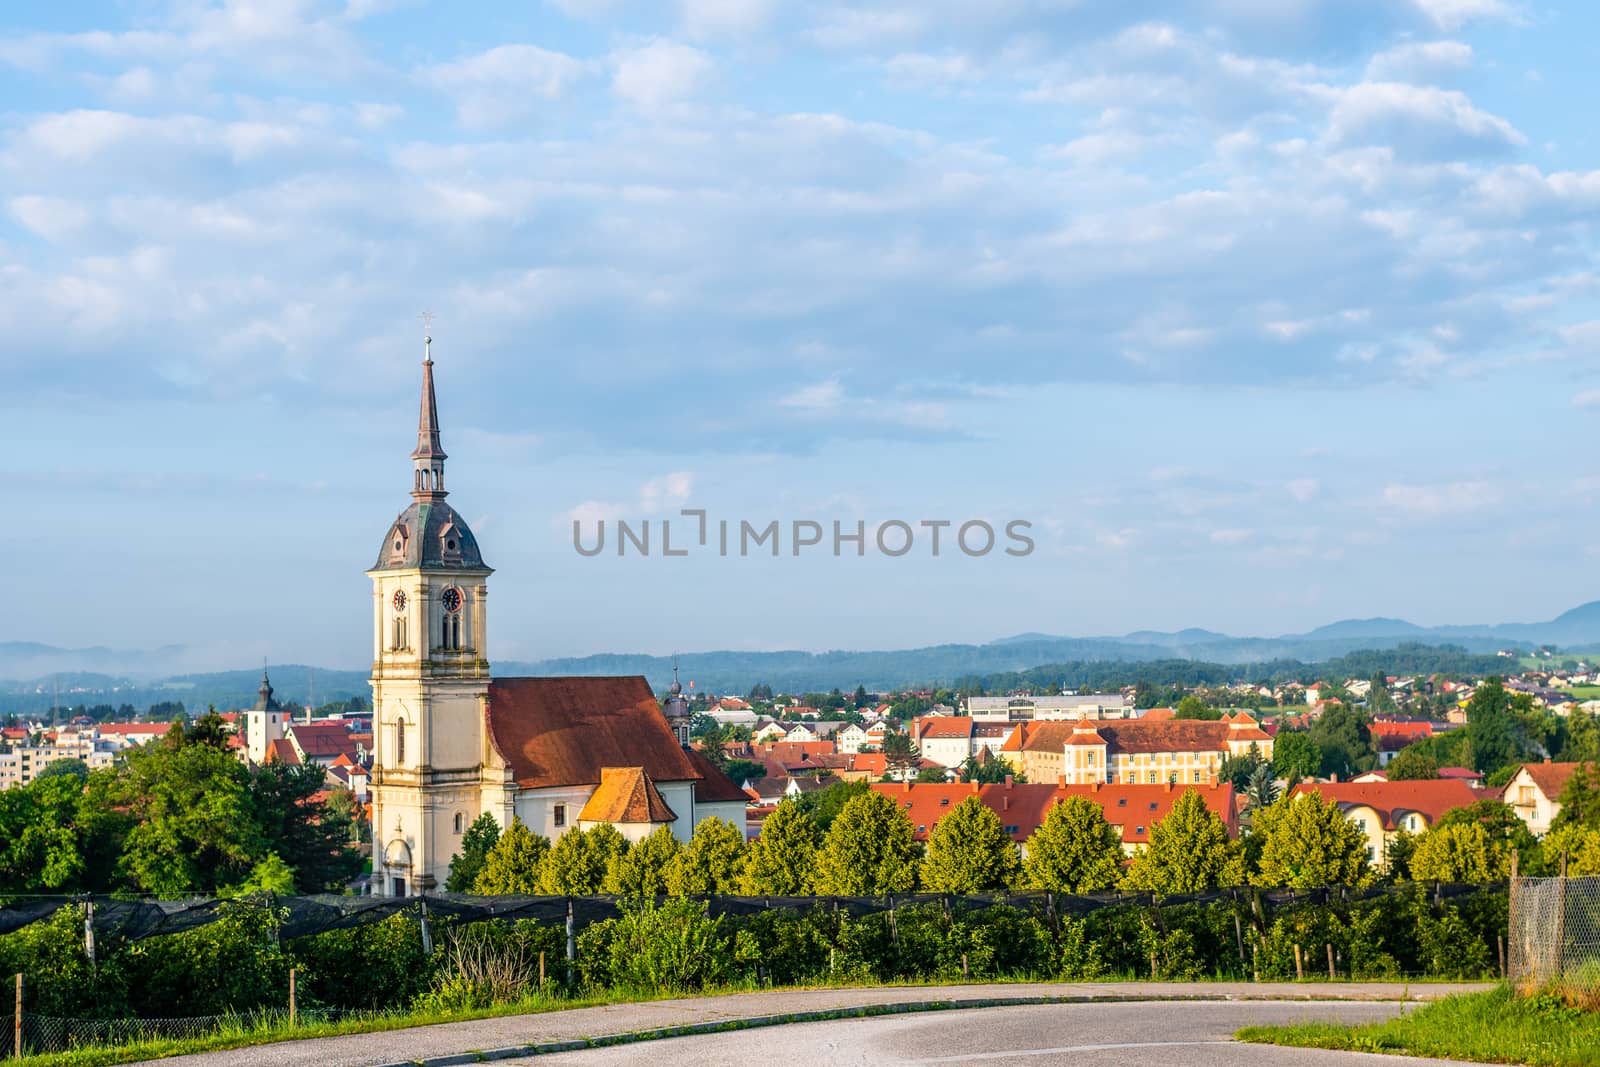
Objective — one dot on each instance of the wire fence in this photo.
(1555, 937)
(40, 1034)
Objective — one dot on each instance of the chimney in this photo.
(1063, 781)
(1169, 785)
(905, 785)
(1094, 787)
(1005, 802)
(1008, 781)
(1333, 779)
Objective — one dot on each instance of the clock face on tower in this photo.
(399, 600)
(451, 599)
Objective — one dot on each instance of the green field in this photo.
(1494, 1027)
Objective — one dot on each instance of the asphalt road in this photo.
(1160, 1034)
(1158, 1004)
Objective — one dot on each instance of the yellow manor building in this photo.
(1133, 751)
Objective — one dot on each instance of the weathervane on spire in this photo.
(427, 332)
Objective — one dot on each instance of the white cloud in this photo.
(1442, 500)
(1304, 489)
(1417, 119)
(506, 83)
(1589, 398)
(660, 73)
(668, 491)
(49, 217)
(715, 18)
(1451, 15)
(1425, 61)
(821, 398)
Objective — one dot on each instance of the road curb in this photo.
(863, 1011)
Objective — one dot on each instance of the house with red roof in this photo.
(1132, 809)
(944, 739)
(1534, 792)
(1382, 810)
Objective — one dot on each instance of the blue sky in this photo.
(1264, 312)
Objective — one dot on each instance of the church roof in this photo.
(565, 731)
(714, 787)
(430, 535)
(626, 795)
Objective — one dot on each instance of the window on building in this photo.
(1012, 829)
(1152, 777)
(944, 802)
(1138, 829)
(400, 744)
(1152, 805)
(399, 887)
(458, 822)
(558, 816)
(1122, 802)
(1090, 756)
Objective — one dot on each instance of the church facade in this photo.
(452, 741)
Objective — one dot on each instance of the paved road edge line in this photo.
(863, 1011)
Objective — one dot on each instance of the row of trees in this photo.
(868, 850)
(178, 817)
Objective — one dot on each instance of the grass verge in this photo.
(1493, 1027)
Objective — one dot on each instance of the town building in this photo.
(1383, 810)
(1050, 708)
(453, 742)
(1136, 751)
(1534, 793)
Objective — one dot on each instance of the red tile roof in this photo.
(1408, 729)
(283, 751)
(626, 795)
(563, 731)
(1137, 735)
(1429, 797)
(322, 740)
(943, 726)
(1551, 778)
(1023, 807)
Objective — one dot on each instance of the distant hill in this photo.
(139, 677)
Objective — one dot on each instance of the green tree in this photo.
(712, 862)
(642, 870)
(1074, 850)
(512, 865)
(269, 875)
(208, 729)
(991, 771)
(1295, 755)
(1192, 707)
(1239, 769)
(476, 844)
(1262, 789)
(296, 825)
(899, 754)
(782, 860)
(1189, 852)
(1341, 733)
(1507, 834)
(824, 805)
(1580, 800)
(190, 820)
(70, 766)
(1412, 763)
(868, 850)
(1463, 852)
(969, 851)
(41, 847)
(1498, 724)
(1306, 843)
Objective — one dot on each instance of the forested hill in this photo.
(1407, 659)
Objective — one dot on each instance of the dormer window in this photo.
(450, 543)
(398, 539)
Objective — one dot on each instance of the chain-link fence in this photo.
(1555, 937)
(46, 1033)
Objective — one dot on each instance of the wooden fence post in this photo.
(1238, 937)
(1299, 965)
(541, 971)
(16, 1024)
(1511, 915)
(1333, 972)
(572, 946)
(294, 1014)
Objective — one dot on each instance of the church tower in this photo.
(430, 676)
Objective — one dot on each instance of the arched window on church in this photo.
(400, 743)
(459, 820)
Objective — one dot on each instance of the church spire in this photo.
(428, 460)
